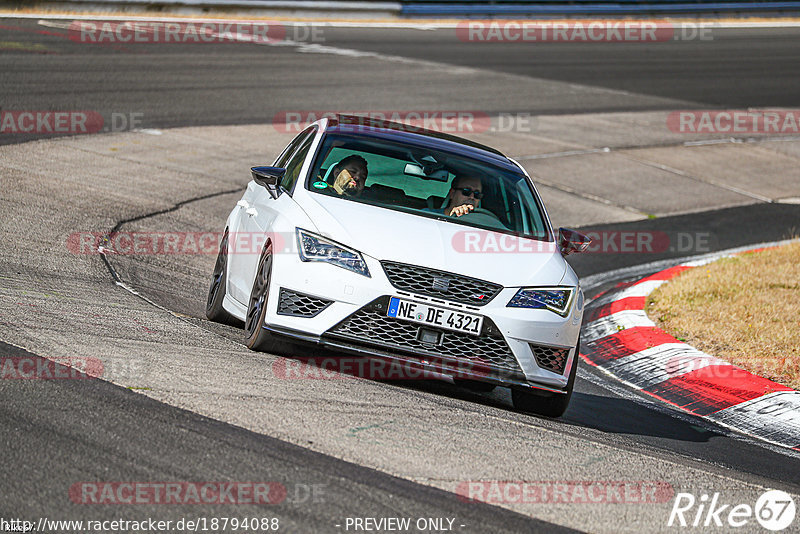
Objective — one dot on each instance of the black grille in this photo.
(370, 325)
(441, 284)
(300, 305)
(550, 358)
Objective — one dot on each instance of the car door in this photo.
(261, 210)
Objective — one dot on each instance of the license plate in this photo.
(435, 316)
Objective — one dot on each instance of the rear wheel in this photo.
(553, 406)
(216, 292)
(259, 338)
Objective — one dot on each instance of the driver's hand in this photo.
(463, 209)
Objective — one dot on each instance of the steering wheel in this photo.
(486, 212)
(483, 216)
(481, 211)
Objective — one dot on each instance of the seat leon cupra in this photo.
(392, 242)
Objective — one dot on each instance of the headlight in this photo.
(317, 248)
(556, 299)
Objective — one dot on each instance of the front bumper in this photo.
(346, 311)
(440, 367)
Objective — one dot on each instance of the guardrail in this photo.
(552, 8)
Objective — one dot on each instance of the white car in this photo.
(392, 242)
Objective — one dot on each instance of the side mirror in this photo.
(269, 178)
(570, 241)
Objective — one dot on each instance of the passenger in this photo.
(351, 175)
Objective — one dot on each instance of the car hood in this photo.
(386, 234)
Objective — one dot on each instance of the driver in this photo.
(465, 195)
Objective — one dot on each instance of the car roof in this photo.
(409, 134)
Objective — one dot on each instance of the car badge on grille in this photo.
(477, 296)
(441, 284)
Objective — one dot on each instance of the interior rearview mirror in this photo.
(412, 169)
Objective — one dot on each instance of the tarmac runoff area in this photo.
(590, 169)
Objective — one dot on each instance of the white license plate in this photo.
(435, 316)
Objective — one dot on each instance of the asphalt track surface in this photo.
(57, 433)
(88, 428)
(170, 85)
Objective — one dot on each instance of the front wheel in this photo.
(553, 406)
(257, 337)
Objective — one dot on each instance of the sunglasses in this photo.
(466, 191)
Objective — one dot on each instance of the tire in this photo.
(216, 292)
(258, 338)
(552, 406)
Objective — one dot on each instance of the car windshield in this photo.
(426, 183)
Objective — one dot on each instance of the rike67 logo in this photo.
(774, 510)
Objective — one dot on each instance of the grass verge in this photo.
(744, 310)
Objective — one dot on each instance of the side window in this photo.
(295, 163)
(289, 150)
